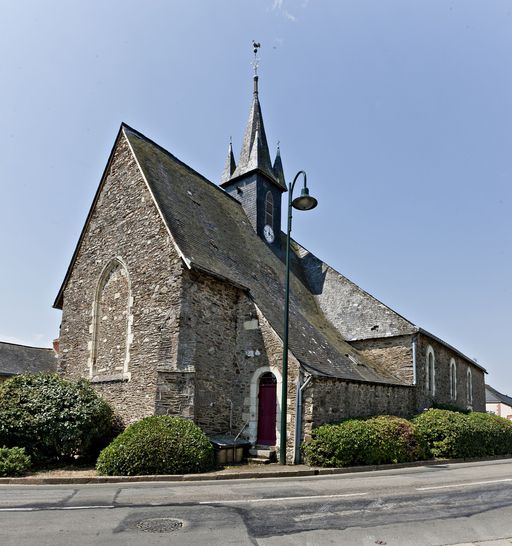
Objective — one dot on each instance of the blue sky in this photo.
(400, 111)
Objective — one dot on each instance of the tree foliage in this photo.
(52, 418)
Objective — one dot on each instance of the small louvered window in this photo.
(269, 210)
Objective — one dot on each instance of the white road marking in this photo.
(467, 484)
(39, 508)
(273, 499)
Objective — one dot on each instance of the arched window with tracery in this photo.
(431, 371)
(110, 322)
(453, 379)
(269, 210)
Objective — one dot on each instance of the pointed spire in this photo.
(278, 168)
(255, 154)
(230, 166)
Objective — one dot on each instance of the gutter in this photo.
(298, 416)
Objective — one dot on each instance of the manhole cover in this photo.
(160, 525)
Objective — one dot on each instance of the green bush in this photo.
(157, 445)
(378, 440)
(53, 419)
(446, 433)
(492, 435)
(451, 434)
(13, 461)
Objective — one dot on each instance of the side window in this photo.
(469, 386)
(269, 210)
(453, 379)
(431, 371)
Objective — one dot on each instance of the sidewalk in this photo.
(246, 471)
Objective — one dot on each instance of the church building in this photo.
(173, 304)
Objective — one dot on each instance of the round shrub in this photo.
(378, 440)
(157, 445)
(13, 461)
(446, 433)
(53, 419)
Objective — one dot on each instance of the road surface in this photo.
(429, 505)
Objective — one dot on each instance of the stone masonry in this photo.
(124, 225)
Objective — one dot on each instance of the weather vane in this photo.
(256, 62)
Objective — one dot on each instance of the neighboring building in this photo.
(497, 403)
(172, 304)
(20, 359)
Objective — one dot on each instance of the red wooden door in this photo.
(267, 410)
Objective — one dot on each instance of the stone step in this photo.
(263, 453)
(258, 460)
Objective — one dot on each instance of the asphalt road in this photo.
(430, 505)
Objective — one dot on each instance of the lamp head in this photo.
(305, 201)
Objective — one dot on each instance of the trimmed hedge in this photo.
(157, 445)
(434, 433)
(450, 434)
(378, 440)
(13, 461)
(53, 419)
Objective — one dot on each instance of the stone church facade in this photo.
(172, 304)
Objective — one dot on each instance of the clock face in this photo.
(269, 233)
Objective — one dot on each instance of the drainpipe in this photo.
(298, 416)
(414, 341)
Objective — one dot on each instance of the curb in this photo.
(236, 475)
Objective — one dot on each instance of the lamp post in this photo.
(304, 202)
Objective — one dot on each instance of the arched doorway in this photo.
(267, 398)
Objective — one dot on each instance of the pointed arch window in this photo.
(431, 371)
(269, 210)
(469, 386)
(453, 379)
(111, 326)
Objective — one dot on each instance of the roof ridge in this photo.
(177, 160)
(25, 346)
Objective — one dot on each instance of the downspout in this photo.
(414, 341)
(298, 416)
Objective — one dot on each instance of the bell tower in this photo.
(255, 182)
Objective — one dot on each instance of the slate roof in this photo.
(20, 359)
(213, 234)
(492, 396)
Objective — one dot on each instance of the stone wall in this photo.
(392, 353)
(329, 400)
(443, 356)
(124, 225)
(225, 346)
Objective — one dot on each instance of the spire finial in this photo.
(256, 62)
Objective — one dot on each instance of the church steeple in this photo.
(255, 154)
(255, 182)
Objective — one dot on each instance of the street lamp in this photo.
(304, 202)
